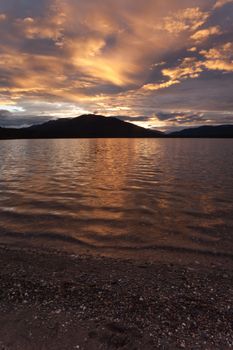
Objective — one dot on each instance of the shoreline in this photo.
(53, 300)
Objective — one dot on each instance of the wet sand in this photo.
(52, 300)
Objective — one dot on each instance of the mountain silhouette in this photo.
(220, 131)
(97, 126)
(85, 126)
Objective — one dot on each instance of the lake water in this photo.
(120, 197)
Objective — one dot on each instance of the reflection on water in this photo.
(131, 195)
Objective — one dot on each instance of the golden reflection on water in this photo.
(119, 194)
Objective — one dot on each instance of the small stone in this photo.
(58, 311)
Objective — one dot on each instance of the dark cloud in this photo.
(134, 119)
(12, 120)
(40, 47)
(180, 117)
(180, 120)
(62, 56)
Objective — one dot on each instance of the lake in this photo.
(120, 197)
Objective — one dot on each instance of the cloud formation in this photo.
(204, 34)
(219, 58)
(221, 3)
(110, 56)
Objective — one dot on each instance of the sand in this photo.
(51, 300)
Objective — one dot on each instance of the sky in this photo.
(162, 64)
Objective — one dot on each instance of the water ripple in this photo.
(136, 196)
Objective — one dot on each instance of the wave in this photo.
(77, 241)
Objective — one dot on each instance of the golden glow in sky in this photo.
(165, 63)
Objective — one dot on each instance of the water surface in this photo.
(118, 195)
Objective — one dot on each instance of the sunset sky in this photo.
(165, 64)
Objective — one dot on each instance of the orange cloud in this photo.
(192, 49)
(2, 17)
(219, 58)
(186, 19)
(48, 27)
(204, 34)
(89, 51)
(154, 87)
(189, 68)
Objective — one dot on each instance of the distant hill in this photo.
(221, 131)
(97, 126)
(85, 126)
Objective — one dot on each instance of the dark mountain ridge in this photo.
(85, 126)
(97, 126)
(220, 131)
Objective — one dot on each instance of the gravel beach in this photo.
(52, 300)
